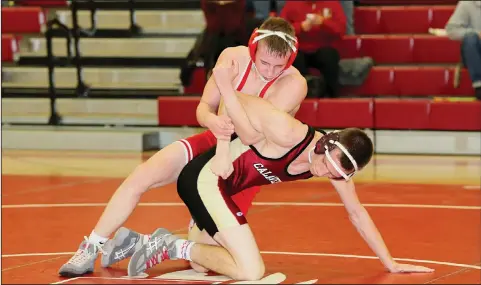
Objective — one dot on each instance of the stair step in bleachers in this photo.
(43, 3)
(369, 20)
(98, 138)
(389, 81)
(10, 49)
(402, 49)
(110, 78)
(111, 47)
(23, 20)
(401, 19)
(164, 22)
(413, 81)
(81, 111)
(392, 81)
(377, 113)
(408, 2)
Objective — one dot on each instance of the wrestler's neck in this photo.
(303, 160)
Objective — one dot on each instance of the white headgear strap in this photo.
(337, 167)
(282, 35)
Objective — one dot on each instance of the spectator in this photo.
(320, 25)
(262, 8)
(226, 26)
(348, 7)
(465, 26)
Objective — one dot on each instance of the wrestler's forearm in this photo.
(366, 228)
(203, 112)
(223, 145)
(234, 109)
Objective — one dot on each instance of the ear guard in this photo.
(258, 35)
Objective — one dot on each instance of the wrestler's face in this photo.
(322, 167)
(268, 64)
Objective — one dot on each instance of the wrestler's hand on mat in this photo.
(221, 126)
(225, 72)
(222, 166)
(405, 268)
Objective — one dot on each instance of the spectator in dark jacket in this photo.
(320, 25)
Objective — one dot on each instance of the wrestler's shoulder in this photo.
(237, 51)
(293, 76)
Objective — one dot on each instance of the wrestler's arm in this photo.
(287, 95)
(208, 107)
(222, 74)
(273, 124)
(361, 220)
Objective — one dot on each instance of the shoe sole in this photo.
(70, 274)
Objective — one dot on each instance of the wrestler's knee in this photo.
(197, 267)
(251, 272)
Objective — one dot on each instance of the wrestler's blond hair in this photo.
(276, 45)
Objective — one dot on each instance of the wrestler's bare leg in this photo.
(161, 169)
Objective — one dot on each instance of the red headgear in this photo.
(258, 35)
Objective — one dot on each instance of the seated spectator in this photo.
(226, 26)
(348, 7)
(263, 8)
(465, 26)
(320, 25)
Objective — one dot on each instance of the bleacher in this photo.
(411, 87)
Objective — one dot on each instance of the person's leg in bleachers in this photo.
(471, 53)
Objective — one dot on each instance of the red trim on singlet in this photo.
(263, 91)
(244, 79)
(246, 74)
(184, 142)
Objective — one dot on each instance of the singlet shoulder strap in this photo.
(245, 74)
(300, 147)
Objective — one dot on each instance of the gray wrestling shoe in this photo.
(160, 247)
(122, 246)
(83, 260)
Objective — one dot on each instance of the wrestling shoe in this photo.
(83, 260)
(122, 246)
(160, 247)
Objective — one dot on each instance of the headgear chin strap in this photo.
(329, 142)
(258, 35)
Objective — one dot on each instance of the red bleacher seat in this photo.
(402, 49)
(387, 49)
(10, 50)
(177, 111)
(413, 81)
(379, 82)
(401, 19)
(307, 112)
(379, 113)
(23, 20)
(408, 2)
(43, 3)
(344, 113)
(433, 49)
(441, 16)
(401, 114)
(463, 116)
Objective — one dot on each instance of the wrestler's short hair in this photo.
(276, 45)
(358, 144)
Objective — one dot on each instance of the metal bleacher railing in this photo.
(76, 32)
